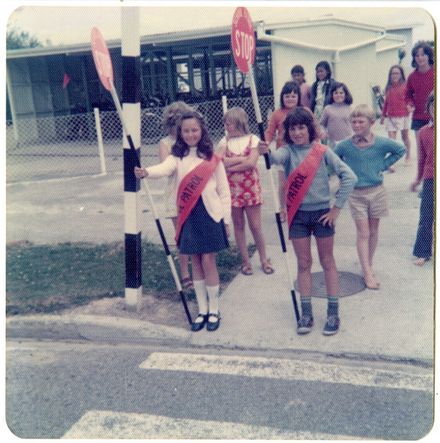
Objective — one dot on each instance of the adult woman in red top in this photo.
(420, 83)
(423, 245)
(395, 113)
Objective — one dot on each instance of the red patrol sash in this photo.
(191, 188)
(300, 179)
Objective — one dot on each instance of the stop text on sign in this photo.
(245, 44)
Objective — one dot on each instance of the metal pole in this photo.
(12, 106)
(153, 207)
(100, 143)
(274, 192)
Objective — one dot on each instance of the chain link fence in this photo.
(68, 146)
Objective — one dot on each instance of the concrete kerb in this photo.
(100, 329)
(93, 328)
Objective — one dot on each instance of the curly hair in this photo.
(301, 116)
(205, 147)
(348, 97)
(171, 115)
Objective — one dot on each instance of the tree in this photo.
(17, 39)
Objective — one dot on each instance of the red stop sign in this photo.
(243, 39)
(102, 59)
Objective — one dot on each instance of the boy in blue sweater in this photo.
(368, 155)
(307, 163)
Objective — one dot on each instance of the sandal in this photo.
(246, 269)
(187, 284)
(267, 267)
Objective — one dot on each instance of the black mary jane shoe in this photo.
(199, 325)
(213, 325)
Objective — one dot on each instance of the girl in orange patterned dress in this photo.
(240, 156)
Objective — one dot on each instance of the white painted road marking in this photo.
(287, 369)
(124, 425)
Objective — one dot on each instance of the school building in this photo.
(198, 66)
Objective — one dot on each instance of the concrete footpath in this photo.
(394, 323)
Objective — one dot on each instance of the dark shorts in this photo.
(305, 223)
(417, 124)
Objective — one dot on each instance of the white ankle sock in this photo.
(213, 292)
(200, 290)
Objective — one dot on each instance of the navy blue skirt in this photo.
(201, 234)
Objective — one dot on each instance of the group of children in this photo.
(211, 187)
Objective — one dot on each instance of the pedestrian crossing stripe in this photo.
(125, 425)
(287, 369)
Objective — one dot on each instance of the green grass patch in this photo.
(47, 278)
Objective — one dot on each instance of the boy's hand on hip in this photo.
(330, 217)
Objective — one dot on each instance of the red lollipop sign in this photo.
(102, 59)
(243, 39)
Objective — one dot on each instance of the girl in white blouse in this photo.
(204, 232)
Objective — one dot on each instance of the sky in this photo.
(70, 22)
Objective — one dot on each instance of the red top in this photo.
(395, 105)
(418, 87)
(276, 126)
(426, 152)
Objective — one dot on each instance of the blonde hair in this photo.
(172, 114)
(239, 118)
(363, 111)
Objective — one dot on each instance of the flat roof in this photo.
(192, 35)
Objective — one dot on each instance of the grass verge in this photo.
(48, 278)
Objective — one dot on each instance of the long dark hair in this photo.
(301, 116)
(289, 87)
(402, 77)
(205, 147)
(326, 65)
(348, 97)
(327, 82)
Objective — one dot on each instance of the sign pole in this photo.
(104, 67)
(274, 192)
(244, 48)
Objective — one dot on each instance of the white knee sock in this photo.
(200, 290)
(213, 292)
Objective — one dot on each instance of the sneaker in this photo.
(331, 325)
(305, 324)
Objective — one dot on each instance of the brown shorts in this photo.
(371, 202)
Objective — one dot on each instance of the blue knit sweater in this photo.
(370, 162)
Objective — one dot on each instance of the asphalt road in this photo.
(89, 390)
